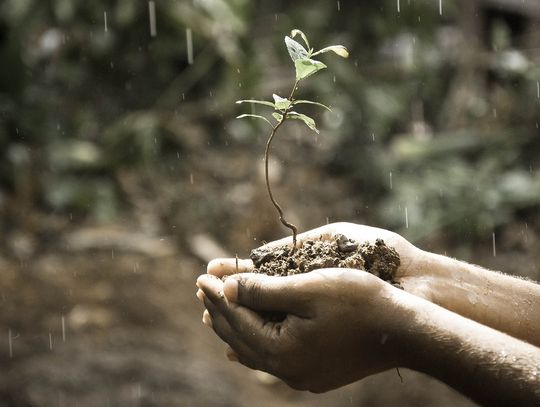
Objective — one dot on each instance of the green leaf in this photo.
(298, 102)
(307, 67)
(256, 116)
(277, 116)
(259, 102)
(306, 119)
(338, 49)
(281, 103)
(296, 50)
(301, 34)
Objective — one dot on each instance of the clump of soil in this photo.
(378, 259)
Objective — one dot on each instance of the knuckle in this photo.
(250, 292)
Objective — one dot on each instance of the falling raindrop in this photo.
(391, 184)
(338, 6)
(398, 6)
(495, 113)
(10, 344)
(494, 246)
(191, 181)
(50, 341)
(189, 42)
(538, 89)
(327, 220)
(373, 137)
(105, 21)
(440, 7)
(152, 16)
(63, 329)
(406, 218)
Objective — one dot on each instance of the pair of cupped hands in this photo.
(339, 325)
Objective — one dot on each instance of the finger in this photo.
(259, 292)
(207, 319)
(212, 288)
(200, 294)
(246, 338)
(225, 267)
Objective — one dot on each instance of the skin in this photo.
(342, 325)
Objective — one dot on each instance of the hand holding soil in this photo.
(406, 252)
(339, 324)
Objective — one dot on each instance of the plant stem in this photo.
(282, 219)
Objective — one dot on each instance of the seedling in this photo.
(305, 66)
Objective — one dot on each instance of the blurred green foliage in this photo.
(451, 114)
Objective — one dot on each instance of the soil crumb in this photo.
(340, 251)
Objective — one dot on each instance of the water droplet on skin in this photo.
(473, 298)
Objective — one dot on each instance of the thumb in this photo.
(266, 293)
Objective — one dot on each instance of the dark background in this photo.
(123, 171)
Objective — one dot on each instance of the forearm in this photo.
(486, 365)
(503, 302)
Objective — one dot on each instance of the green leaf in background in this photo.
(296, 50)
(307, 67)
(259, 102)
(281, 103)
(296, 32)
(338, 49)
(256, 116)
(306, 119)
(309, 102)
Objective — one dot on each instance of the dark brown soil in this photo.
(378, 259)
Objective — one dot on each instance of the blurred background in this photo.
(123, 171)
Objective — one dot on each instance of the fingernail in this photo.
(230, 288)
(207, 319)
(200, 295)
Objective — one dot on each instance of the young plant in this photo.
(305, 66)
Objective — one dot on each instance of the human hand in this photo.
(412, 273)
(340, 325)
